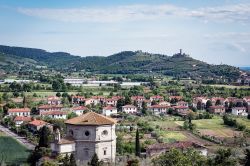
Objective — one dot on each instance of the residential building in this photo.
(21, 119)
(156, 98)
(46, 108)
(55, 114)
(129, 109)
(217, 109)
(77, 99)
(239, 111)
(19, 112)
(158, 109)
(36, 125)
(79, 110)
(53, 100)
(109, 110)
(182, 103)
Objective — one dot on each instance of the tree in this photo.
(199, 105)
(24, 101)
(44, 135)
(137, 144)
(127, 100)
(35, 156)
(71, 115)
(144, 108)
(218, 102)
(120, 103)
(208, 104)
(66, 160)
(223, 157)
(58, 94)
(72, 160)
(95, 161)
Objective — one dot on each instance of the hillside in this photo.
(127, 62)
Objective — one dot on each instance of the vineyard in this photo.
(11, 152)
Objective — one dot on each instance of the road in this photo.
(22, 140)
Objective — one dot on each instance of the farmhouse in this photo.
(157, 149)
(217, 109)
(79, 110)
(86, 135)
(182, 103)
(158, 109)
(129, 109)
(19, 112)
(55, 114)
(181, 110)
(36, 125)
(239, 111)
(77, 99)
(21, 119)
(46, 108)
(109, 110)
(54, 100)
(156, 98)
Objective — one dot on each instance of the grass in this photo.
(172, 136)
(11, 152)
(244, 121)
(229, 86)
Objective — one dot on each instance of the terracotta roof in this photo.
(19, 110)
(37, 122)
(159, 106)
(129, 106)
(157, 96)
(78, 97)
(180, 107)
(67, 140)
(137, 97)
(175, 97)
(79, 108)
(53, 98)
(217, 106)
(91, 118)
(22, 118)
(54, 113)
(239, 108)
(50, 106)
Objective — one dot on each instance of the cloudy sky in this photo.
(215, 31)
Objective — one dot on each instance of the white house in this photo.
(54, 100)
(46, 108)
(129, 109)
(182, 103)
(55, 114)
(86, 135)
(109, 110)
(19, 112)
(21, 119)
(79, 110)
(158, 109)
(241, 111)
(156, 98)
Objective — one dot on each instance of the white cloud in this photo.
(237, 13)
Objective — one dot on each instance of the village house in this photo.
(36, 125)
(217, 109)
(138, 99)
(164, 103)
(113, 101)
(181, 110)
(159, 148)
(158, 109)
(79, 110)
(101, 99)
(202, 100)
(86, 135)
(129, 109)
(156, 98)
(53, 100)
(91, 101)
(55, 114)
(19, 112)
(239, 111)
(21, 119)
(216, 100)
(177, 98)
(77, 99)
(182, 103)
(247, 100)
(109, 110)
(46, 108)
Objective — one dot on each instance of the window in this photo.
(104, 151)
(87, 133)
(71, 132)
(104, 133)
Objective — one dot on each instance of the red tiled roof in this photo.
(53, 98)
(91, 118)
(18, 110)
(37, 122)
(79, 108)
(181, 107)
(129, 106)
(157, 96)
(175, 97)
(22, 118)
(137, 97)
(50, 106)
(217, 107)
(159, 106)
(54, 113)
(239, 108)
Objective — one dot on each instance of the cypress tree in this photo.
(137, 144)
(44, 134)
(72, 161)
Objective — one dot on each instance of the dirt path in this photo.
(21, 140)
(192, 137)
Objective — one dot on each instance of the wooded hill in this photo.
(127, 62)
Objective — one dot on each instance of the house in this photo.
(79, 110)
(77, 99)
(181, 110)
(239, 111)
(113, 101)
(247, 100)
(109, 110)
(87, 135)
(46, 108)
(177, 98)
(158, 109)
(159, 148)
(156, 98)
(21, 119)
(53, 100)
(216, 100)
(101, 99)
(182, 103)
(164, 103)
(202, 100)
(36, 125)
(19, 112)
(217, 109)
(55, 114)
(129, 109)
(138, 99)
(91, 101)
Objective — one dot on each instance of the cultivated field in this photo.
(11, 152)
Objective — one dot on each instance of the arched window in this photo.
(71, 132)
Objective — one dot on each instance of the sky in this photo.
(214, 31)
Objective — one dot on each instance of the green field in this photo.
(245, 122)
(171, 136)
(11, 152)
